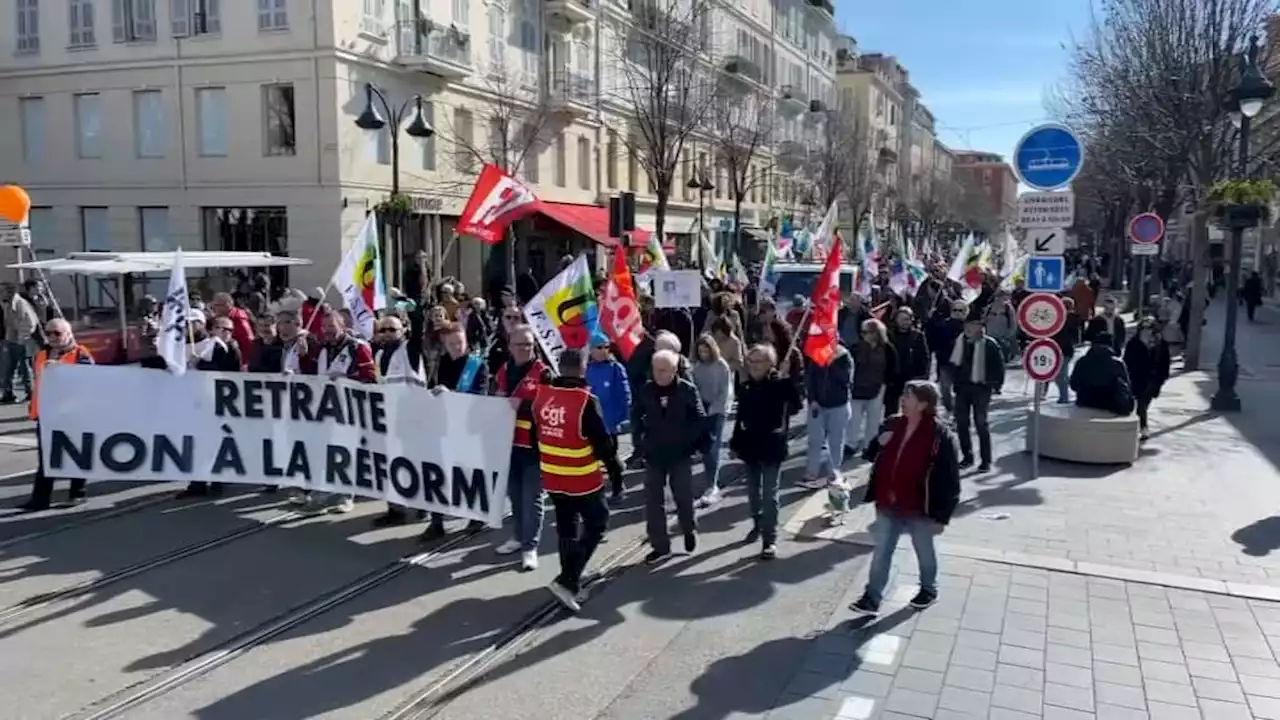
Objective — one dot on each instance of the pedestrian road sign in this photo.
(1042, 359)
(1042, 315)
(1048, 157)
(1045, 274)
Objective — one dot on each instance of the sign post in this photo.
(1145, 231)
(1041, 316)
(1046, 159)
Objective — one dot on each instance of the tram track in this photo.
(435, 697)
(164, 682)
(34, 603)
(92, 517)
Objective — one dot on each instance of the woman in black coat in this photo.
(1147, 358)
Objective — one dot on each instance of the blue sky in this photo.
(983, 66)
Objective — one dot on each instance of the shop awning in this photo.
(589, 220)
(760, 235)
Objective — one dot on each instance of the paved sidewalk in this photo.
(1015, 643)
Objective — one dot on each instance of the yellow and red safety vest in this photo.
(77, 355)
(565, 455)
(526, 389)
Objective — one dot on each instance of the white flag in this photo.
(359, 278)
(171, 342)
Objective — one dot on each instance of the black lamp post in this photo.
(702, 185)
(1246, 103)
(371, 120)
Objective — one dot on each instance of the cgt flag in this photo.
(619, 311)
(359, 278)
(496, 201)
(821, 340)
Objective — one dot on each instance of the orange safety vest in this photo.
(565, 456)
(525, 390)
(75, 356)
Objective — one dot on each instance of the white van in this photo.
(798, 279)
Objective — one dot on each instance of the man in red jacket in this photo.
(241, 326)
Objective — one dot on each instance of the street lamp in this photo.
(373, 121)
(1246, 102)
(702, 184)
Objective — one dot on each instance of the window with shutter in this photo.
(497, 35)
(180, 18)
(80, 18)
(406, 26)
(273, 15)
(28, 36)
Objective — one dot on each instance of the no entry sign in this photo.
(1042, 360)
(1042, 315)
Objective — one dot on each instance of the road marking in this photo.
(18, 441)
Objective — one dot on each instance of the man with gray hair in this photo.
(669, 425)
(639, 370)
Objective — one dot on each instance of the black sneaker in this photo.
(984, 467)
(924, 599)
(390, 519)
(476, 526)
(33, 506)
(966, 463)
(690, 542)
(865, 606)
(770, 552)
(616, 498)
(753, 535)
(434, 532)
(656, 556)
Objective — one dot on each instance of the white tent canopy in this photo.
(121, 263)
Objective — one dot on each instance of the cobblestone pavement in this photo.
(1013, 643)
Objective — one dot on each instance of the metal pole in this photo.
(1142, 287)
(1035, 432)
(1226, 399)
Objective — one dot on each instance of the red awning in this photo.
(589, 220)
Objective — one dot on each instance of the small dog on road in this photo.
(839, 500)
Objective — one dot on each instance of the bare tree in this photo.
(932, 201)
(842, 162)
(508, 129)
(1159, 74)
(666, 87)
(742, 131)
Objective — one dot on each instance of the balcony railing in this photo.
(826, 5)
(574, 11)
(443, 51)
(573, 88)
(744, 67)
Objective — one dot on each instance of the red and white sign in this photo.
(1146, 230)
(1042, 360)
(496, 201)
(1042, 315)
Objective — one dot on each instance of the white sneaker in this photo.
(508, 547)
(297, 497)
(566, 598)
(709, 498)
(343, 506)
(529, 560)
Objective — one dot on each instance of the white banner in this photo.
(447, 453)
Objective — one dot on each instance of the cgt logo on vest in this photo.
(553, 418)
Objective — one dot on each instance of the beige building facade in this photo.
(156, 124)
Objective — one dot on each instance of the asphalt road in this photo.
(139, 606)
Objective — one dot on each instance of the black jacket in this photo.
(994, 364)
(1148, 367)
(225, 358)
(268, 357)
(764, 418)
(593, 429)
(942, 484)
(449, 372)
(1101, 381)
(672, 431)
(829, 386)
(941, 333)
(913, 355)
(1069, 336)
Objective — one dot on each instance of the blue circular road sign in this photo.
(1146, 229)
(1048, 157)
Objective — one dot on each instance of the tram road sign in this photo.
(1042, 359)
(1042, 315)
(1048, 157)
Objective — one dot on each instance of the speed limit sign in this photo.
(1042, 359)
(1042, 315)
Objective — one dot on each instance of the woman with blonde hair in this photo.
(714, 380)
(875, 363)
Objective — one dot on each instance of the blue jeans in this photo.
(826, 426)
(886, 530)
(16, 361)
(712, 459)
(524, 490)
(762, 497)
(1063, 381)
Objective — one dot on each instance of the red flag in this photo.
(619, 311)
(496, 201)
(821, 340)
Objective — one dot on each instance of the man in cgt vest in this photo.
(575, 452)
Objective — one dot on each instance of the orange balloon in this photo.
(14, 203)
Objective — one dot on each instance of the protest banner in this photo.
(446, 453)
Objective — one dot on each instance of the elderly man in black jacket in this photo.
(766, 403)
(671, 423)
(977, 363)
